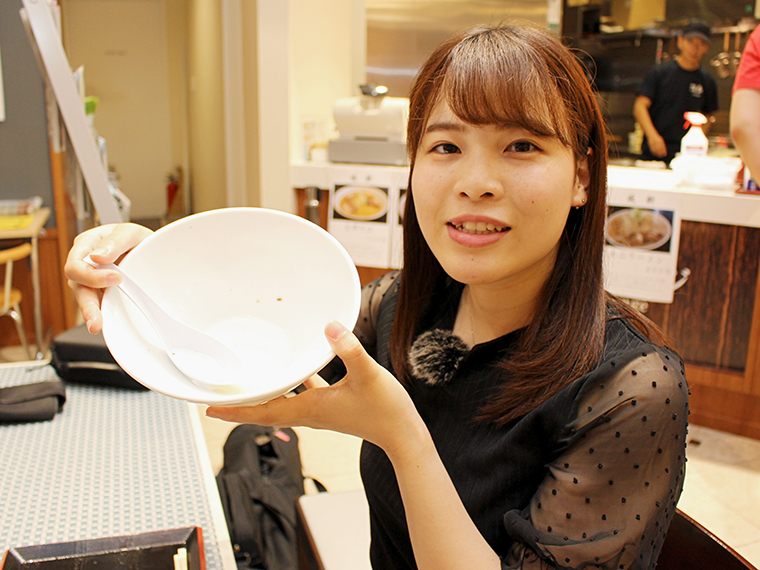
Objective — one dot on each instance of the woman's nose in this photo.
(481, 178)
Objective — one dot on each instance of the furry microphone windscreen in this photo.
(435, 356)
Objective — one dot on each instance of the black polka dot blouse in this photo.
(589, 479)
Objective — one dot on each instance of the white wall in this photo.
(235, 79)
(328, 40)
(123, 47)
(283, 60)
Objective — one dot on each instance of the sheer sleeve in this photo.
(372, 294)
(609, 497)
(365, 328)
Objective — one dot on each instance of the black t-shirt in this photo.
(674, 91)
(589, 478)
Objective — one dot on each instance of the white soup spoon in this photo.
(202, 358)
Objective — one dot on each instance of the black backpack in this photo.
(259, 484)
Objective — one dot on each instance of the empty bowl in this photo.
(262, 281)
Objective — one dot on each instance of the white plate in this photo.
(637, 219)
(263, 281)
(368, 203)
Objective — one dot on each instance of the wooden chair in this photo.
(10, 297)
(690, 546)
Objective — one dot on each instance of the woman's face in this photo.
(491, 201)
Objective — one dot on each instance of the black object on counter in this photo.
(81, 357)
(35, 402)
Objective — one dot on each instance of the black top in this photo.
(674, 91)
(590, 477)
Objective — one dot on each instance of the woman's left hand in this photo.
(369, 402)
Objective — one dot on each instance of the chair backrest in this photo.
(689, 545)
(7, 257)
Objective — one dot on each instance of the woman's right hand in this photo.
(104, 244)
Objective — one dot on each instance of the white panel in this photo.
(274, 70)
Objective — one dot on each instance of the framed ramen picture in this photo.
(641, 245)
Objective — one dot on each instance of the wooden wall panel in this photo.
(724, 410)
(697, 315)
(710, 319)
(742, 298)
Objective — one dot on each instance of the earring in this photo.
(583, 200)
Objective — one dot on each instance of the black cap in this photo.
(697, 30)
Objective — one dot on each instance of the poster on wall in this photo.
(359, 215)
(364, 212)
(359, 221)
(641, 249)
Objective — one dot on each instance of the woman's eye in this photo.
(446, 148)
(522, 146)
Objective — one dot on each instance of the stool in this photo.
(332, 531)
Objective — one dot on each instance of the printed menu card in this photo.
(641, 247)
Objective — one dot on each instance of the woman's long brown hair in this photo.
(516, 75)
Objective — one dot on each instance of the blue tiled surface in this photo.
(113, 462)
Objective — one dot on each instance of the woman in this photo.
(529, 421)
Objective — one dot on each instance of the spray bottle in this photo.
(694, 142)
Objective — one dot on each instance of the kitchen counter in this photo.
(713, 321)
(697, 204)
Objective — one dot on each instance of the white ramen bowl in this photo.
(264, 282)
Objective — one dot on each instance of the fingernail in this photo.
(335, 330)
(100, 251)
(113, 279)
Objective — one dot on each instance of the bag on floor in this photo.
(259, 484)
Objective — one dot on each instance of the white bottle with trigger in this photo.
(694, 142)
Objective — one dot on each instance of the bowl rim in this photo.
(110, 328)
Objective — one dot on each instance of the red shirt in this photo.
(748, 74)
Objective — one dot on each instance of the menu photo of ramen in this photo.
(361, 203)
(640, 228)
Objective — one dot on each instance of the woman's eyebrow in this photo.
(444, 126)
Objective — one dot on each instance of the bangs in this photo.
(492, 82)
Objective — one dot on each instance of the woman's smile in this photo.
(476, 231)
(479, 228)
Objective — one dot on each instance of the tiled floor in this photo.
(722, 489)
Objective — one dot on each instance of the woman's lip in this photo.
(460, 220)
(470, 239)
(478, 225)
